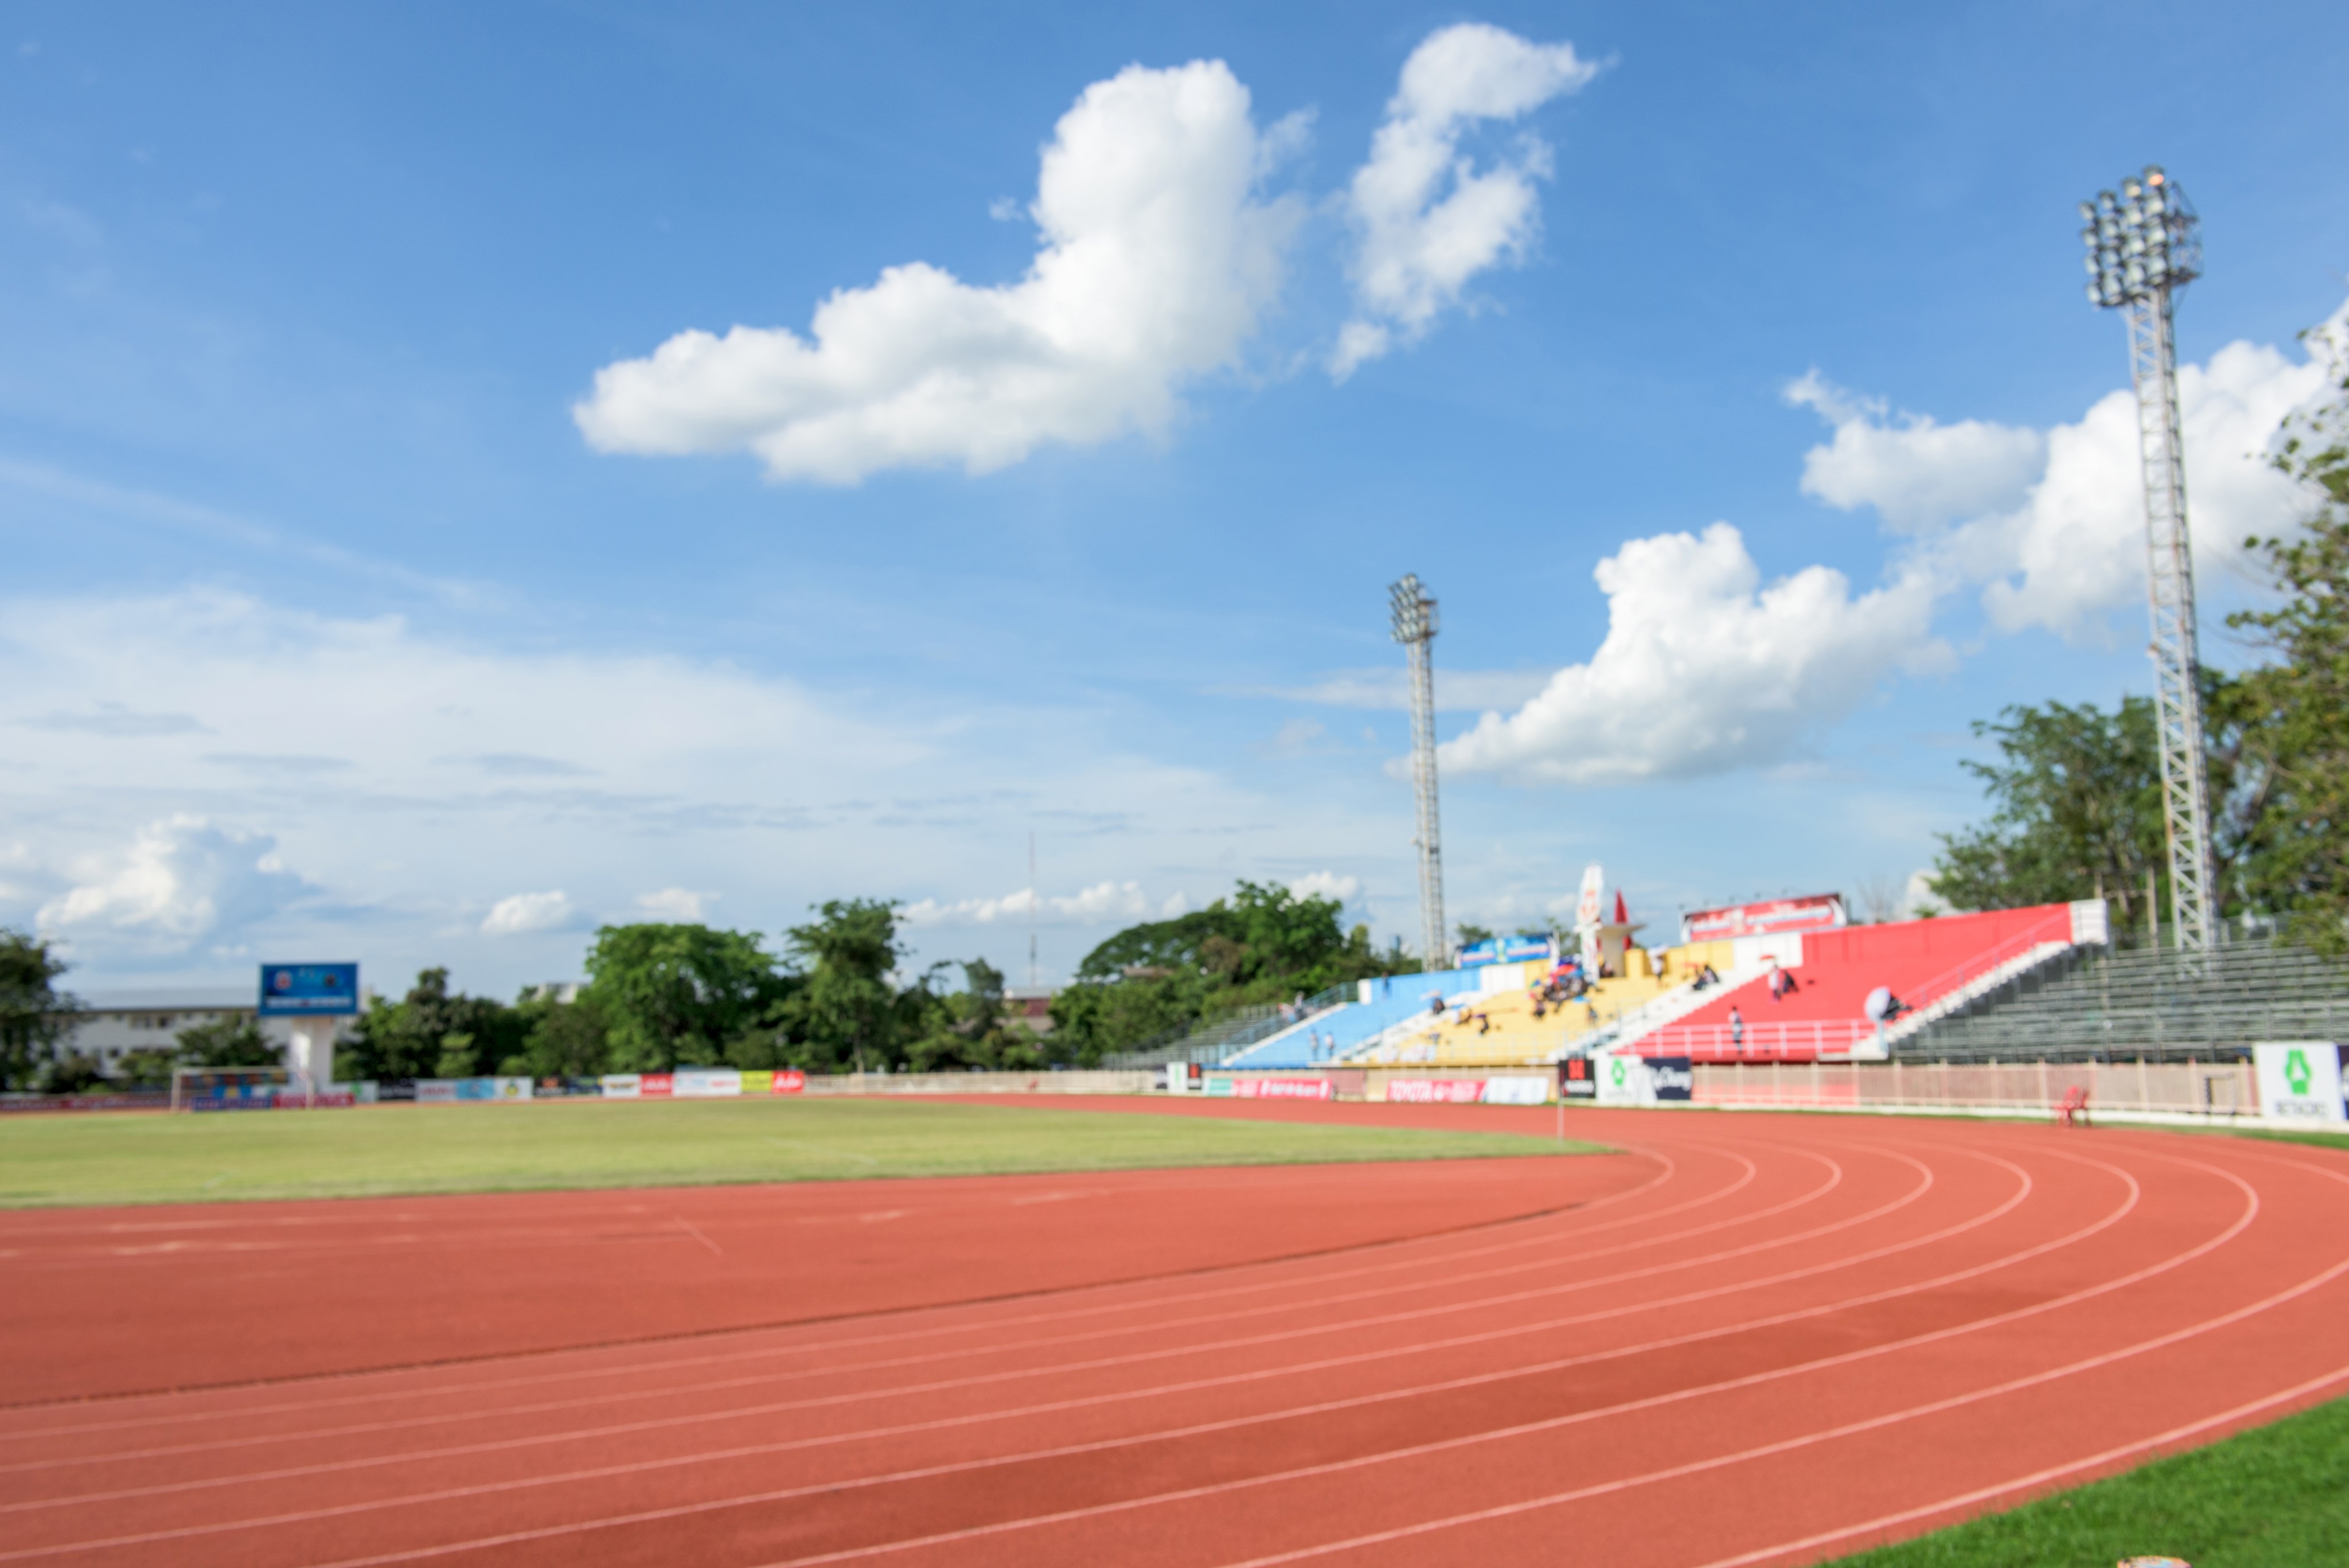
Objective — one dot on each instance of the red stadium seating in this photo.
(1919, 961)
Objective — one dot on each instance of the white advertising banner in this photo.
(1629, 1080)
(623, 1085)
(2299, 1081)
(1517, 1090)
(705, 1084)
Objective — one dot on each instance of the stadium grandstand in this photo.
(1792, 980)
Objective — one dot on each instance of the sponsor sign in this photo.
(1218, 1085)
(492, 1088)
(298, 989)
(1578, 1079)
(655, 1085)
(1517, 1090)
(1814, 912)
(1508, 950)
(788, 1080)
(1282, 1089)
(1645, 1080)
(325, 1099)
(706, 1084)
(622, 1086)
(2299, 1081)
(436, 1091)
(1435, 1091)
(1178, 1077)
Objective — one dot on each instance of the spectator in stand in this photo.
(1736, 1029)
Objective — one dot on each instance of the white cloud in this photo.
(1427, 219)
(2058, 541)
(1158, 255)
(679, 906)
(1917, 473)
(1704, 669)
(1087, 907)
(182, 879)
(1325, 884)
(529, 913)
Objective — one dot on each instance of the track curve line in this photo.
(1778, 1336)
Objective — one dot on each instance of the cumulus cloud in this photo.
(1158, 255)
(678, 906)
(1087, 907)
(2052, 524)
(525, 912)
(1704, 669)
(1426, 219)
(1915, 472)
(182, 879)
(1325, 884)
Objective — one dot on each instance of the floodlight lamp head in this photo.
(1414, 610)
(2143, 241)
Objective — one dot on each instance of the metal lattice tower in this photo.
(1415, 627)
(2143, 245)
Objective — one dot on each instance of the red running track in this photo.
(1748, 1339)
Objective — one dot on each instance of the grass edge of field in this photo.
(1505, 1145)
(2273, 1495)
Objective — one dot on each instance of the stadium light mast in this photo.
(2145, 243)
(1415, 627)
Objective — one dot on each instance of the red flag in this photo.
(1623, 915)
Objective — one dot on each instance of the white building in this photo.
(123, 1021)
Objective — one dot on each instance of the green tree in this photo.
(678, 994)
(411, 1038)
(567, 1039)
(146, 1067)
(1264, 943)
(2298, 706)
(1470, 935)
(2076, 806)
(968, 1029)
(34, 1013)
(846, 1012)
(228, 1042)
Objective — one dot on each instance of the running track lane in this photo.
(1754, 1340)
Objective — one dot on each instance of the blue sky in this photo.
(328, 630)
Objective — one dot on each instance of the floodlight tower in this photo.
(2143, 245)
(1415, 627)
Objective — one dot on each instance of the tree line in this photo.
(835, 997)
(2076, 791)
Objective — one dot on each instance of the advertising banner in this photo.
(2299, 1081)
(622, 1086)
(1218, 1084)
(1508, 950)
(1283, 1089)
(1645, 1080)
(1814, 912)
(1178, 1077)
(788, 1080)
(655, 1085)
(1435, 1091)
(1517, 1090)
(1577, 1080)
(706, 1084)
(436, 1091)
(491, 1088)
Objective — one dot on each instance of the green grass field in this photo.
(2277, 1497)
(53, 1160)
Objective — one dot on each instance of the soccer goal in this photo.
(225, 1088)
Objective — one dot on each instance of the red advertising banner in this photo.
(1283, 1089)
(654, 1086)
(789, 1081)
(1434, 1091)
(1812, 912)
